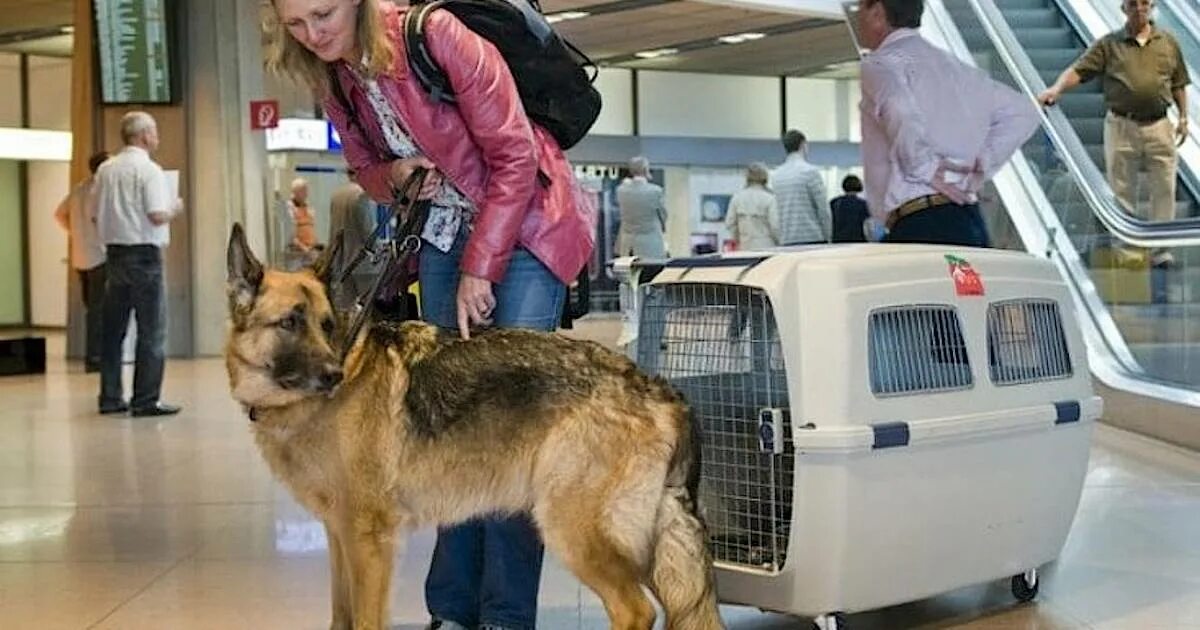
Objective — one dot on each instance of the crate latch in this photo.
(770, 430)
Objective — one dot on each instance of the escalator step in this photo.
(1089, 129)
(1006, 5)
(1031, 38)
(1055, 59)
(1033, 18)
(1082, 104)
(1035, 38)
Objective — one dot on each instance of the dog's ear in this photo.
(324, 267)
(245, 273)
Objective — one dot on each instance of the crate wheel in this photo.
(830, 621)
(1025, 585)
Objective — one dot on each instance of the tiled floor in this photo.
(117, 523)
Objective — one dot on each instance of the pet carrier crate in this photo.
(880, 423)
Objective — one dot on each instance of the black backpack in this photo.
(551, 74)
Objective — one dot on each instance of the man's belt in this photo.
(1139, 117)
(913, 206)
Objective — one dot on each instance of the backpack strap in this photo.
(433, 79)
(431, 76)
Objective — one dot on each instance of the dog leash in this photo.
(406, 203)
(400, 197)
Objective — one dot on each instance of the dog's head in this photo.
(281, 346)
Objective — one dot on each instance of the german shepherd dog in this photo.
(417, 429)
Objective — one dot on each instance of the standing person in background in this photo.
(643, 213)
(849, 212)
(87, 257)
(753, 217)
(803, 205)
(352, 213)
(304, 225)
(1143, 71)
(928, 149)
(508, 228)
(133, 215)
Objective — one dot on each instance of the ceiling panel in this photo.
(791, 54)
(29, 15)
(645, 29)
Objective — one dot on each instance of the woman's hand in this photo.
(401, 170)
(475, 303)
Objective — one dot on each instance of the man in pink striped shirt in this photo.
(934, 130)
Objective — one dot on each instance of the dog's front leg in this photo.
(339, 579)
(368, 551)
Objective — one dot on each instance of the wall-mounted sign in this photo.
(264, 115)
(299, 134)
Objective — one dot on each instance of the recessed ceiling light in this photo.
(555, 18)
(740, 38)
(656, 53)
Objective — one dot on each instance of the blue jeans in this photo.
(948, 224)
(486, 571)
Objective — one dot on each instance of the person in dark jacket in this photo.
(849, 212)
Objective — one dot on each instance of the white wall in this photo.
(707, 105)
(676, 184)
(811, 108)
(616, 91)
(47, 183)
(824, 109)
(853, 98)
(48, 254)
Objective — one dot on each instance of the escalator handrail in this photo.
(1180, 232)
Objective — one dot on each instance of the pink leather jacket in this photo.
(485, 145)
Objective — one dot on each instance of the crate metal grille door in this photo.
(917, 349)
(719, 345)
(1026, 343)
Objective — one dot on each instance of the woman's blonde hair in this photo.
(757, 173)
(287, 57)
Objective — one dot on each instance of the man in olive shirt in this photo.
(1143, 71)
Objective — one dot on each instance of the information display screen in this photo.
(133, 38)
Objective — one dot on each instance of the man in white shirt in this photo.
(803, 205)
(87, 257)
(132, 212)
(934, 130)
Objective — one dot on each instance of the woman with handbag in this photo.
(508, 227)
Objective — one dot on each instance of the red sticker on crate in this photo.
(966, 279)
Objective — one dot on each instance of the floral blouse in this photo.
(450, 209)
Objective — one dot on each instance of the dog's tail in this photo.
(681, 575)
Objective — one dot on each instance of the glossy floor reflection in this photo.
(117, 523)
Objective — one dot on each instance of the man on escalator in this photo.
(1143, 70)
